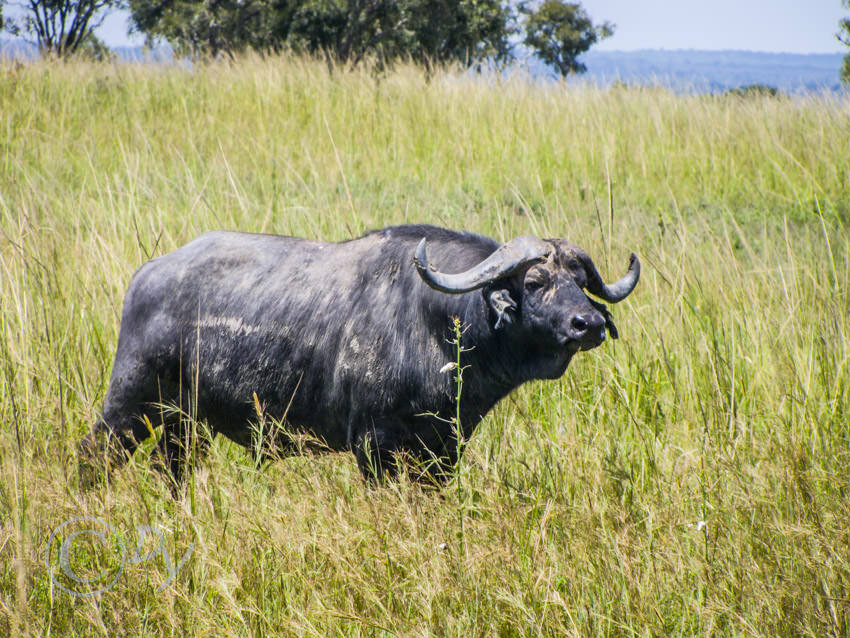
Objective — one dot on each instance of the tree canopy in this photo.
(559, 32)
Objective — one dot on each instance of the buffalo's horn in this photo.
(612, 292)
(506, 260)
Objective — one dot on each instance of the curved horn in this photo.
(612, 292)
(506, 260)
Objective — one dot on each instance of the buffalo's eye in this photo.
(533, 284)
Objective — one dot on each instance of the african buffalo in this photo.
(347, 342)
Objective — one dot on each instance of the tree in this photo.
(756, 90)
(558, 32)
(345, 31)
(843, 36)
(62, 27)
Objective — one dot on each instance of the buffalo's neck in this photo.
(493, 365)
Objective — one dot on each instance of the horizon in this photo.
(680, 70)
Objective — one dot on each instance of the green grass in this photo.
(692, 478)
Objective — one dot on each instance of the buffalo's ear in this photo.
(502, 305)
(609, 320)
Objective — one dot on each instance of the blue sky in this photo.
(791, 26)
(788, 26)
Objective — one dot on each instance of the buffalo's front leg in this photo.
(433, 465)
(376, 447)
(428, 449)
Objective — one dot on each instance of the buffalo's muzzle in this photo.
(587, 329)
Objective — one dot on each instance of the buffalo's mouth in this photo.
(566, 344)
(587, 341)
(572, 346)
(560, 353)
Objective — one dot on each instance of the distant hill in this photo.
(680, 70)
(709, 71)
(17, 50)
(714, 71)
(22, 50)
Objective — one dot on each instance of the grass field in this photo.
(692, 478)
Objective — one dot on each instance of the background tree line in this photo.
(431, 32)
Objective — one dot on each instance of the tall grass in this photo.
(691, 478)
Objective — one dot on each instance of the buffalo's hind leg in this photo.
(132, 406)
(118, 432)
(112, 441)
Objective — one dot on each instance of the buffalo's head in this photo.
(537, 289)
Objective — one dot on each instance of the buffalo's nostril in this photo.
(579, 324)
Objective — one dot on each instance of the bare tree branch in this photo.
(60, 27)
